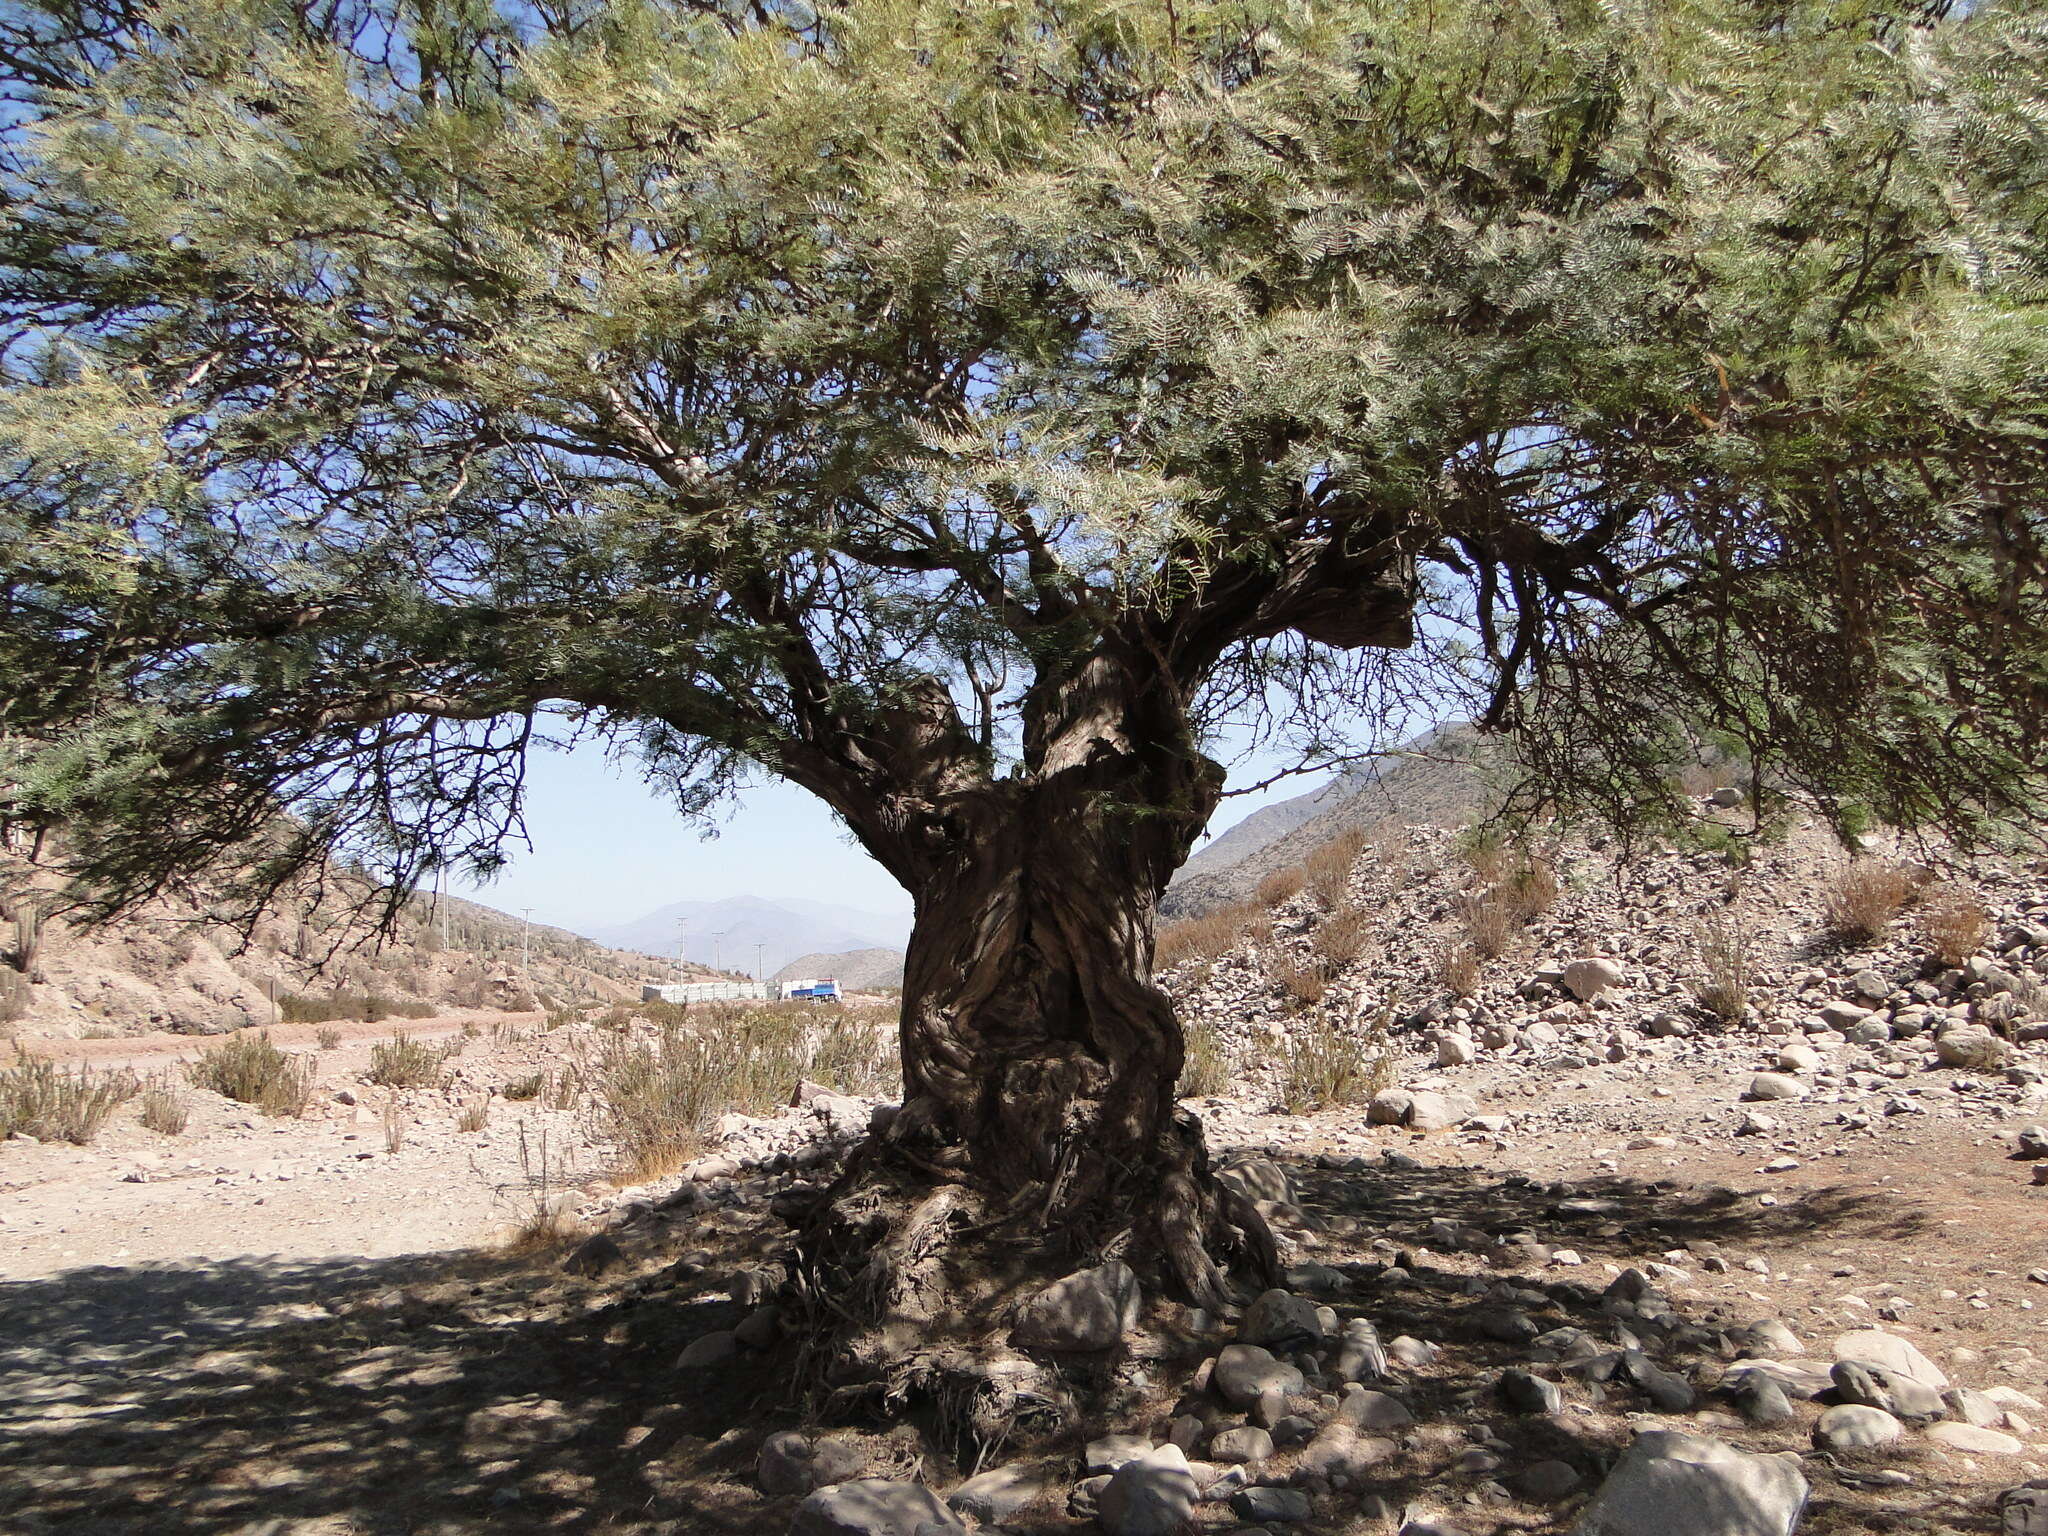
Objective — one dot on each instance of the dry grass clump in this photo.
(520, 1089)
(1458, 969)
(395, 1123)
(1205, 937)
(1205, 1068)
(403, 1062)
(1329, 868)
(1490, 925)
(1281, 885)
(164, 1108)
(856, 1057)
(1954, 921)
(327, 1039)
(1530, 888)
(1323, 1066)
(1304, 980)
(474, 1115)
(1343, 935)
(1727, 952)
(1519, 890)
(652, 1098)
(250, 1070)
(37, 1099)
(1864, 897)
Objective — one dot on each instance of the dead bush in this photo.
(38, 1099)
(475, 1114)
(1343, 935)
(1490, 923)
(1864, 897)
(1280, 886)
(403, 1062)
(250, 1070)
(1205, 937)
(1304, 979)
(327, 1039)
(1529, 888)
(1329, 868)
(1205, 1068)
(1954, 922)
(1458, 969)
(855, 1057)
(1727, 956)
(164, 1109)
(1322, 1065)
(395, 1123)
(523, 1088)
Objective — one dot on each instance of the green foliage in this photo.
(751, 383)
(403, 1062)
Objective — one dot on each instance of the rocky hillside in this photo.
(1434, 789)
(171, 967)
(857, 970)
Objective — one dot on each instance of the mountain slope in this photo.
(860, 970)
(741, 931)
(169, 966)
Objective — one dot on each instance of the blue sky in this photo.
(606, 849)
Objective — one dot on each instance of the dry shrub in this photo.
(1458, 969)
(1322, 1065)
(855, 1057)
(250, 1070)
(1281, 885)
(475, 1114)
(1205, 937)
(1304, 980)
(295, 1009)
(1727, 951)
(1490, 924)
(403, 1062)
(521, 1089)
(1864, 897)
(653, 1098)
(1329, 868)
(164, 1109)
(327, 1039)
(1205, 1068)
(39, 1100)
(1344, 934)
(1529, 888)
(1485, 853)
(547, 1223)
(395, 1123)
(1955, 922)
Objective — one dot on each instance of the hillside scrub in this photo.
(37, 1098)
(1865, 896)
(249, 1069)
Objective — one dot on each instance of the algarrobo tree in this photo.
(958, 409)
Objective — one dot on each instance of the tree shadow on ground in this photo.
(480, 1392)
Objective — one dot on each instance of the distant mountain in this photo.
(860, 970)
(740, 931)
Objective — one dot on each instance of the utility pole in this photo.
(717, 951)
(682, 946)
(760, 968)
(525, 929)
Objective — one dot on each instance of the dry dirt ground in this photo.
(285, 1329)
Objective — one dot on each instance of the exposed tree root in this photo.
(911, 1274)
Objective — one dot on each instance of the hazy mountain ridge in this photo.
(737, 933)
(860, 970)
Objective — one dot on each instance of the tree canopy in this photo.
(867, 391)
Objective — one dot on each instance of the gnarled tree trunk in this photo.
(1039, 1124)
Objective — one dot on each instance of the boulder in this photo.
(1586, 979)
(1873, 1346)
(1768, 1086)
(1389, 1106)
(1091, 1309)
(1245, 1443)
(875, 1506)
(1282, 1319)
(1256, 1178)
(1438, 1111)
(1339, 1450)
(1152, 1495)
(1973, 1046)
(1673, 1484)
(1974, 1440)
(1270, 1506)
(1244, 1373)
(1109, 1452)
(992, 1497)
(709, 1352)
(2023, 1511)
(1853, 1427)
